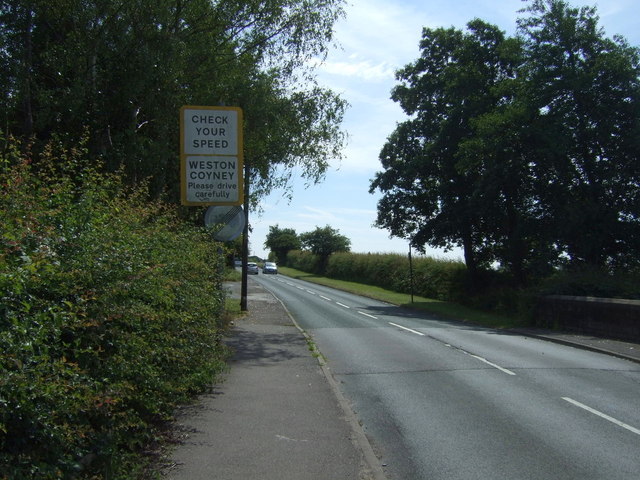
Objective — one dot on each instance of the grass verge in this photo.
(446, 310)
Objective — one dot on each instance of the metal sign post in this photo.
(245, 242)
(212, 171)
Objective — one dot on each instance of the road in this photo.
(446, 400)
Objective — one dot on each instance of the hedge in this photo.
(110, 316)
(432, 278)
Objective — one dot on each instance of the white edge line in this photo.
(502, 369)
(602, 415)
(343, 305)
(361, 438)
(367, 315)
(407, 329)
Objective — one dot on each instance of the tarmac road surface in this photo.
(446, 400)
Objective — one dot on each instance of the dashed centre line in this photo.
(602, 415)
(484, 360)
(582, 406)
(415, 332)
(407, 329)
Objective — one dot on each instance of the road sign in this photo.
(231, 219)
(211, 155)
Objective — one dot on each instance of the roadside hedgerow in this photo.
(432, 278)
(110, 315)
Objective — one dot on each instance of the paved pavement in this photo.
(279, 414)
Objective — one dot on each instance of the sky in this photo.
(376, 38)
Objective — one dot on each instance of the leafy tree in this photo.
(119, 71)
(281, 241)
(430, 183)
(523, 150)
(289, 129)
(323, 242)
(499, 151)
(585, 91)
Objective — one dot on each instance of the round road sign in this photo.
(230, 220)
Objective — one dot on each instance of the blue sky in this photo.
(375, 39)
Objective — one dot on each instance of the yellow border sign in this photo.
(211, 156)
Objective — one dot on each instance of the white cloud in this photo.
(363, 69)
(326, 216)
(317, 215)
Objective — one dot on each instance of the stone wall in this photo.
(607, 317)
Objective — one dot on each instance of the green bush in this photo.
(432, 278)
(592, 282)
(303, 260)
(110, 315)
(447, 280)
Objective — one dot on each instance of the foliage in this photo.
(429, 190)
(521, 150)
(443, 286)
(289, 130)
(301, 260)
(448, 281)
(592, 282)
(323, 242)
(452, 310)
(110, 314)
(432, 278)
(281, 241)
(119, 72)
(585, 89)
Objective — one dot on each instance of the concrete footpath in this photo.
(277, 415)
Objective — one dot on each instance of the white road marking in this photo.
(407, 329)
(602, 415)
(502, 369)
(287, 439)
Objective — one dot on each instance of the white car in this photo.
(252, 268)
(270, 267)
